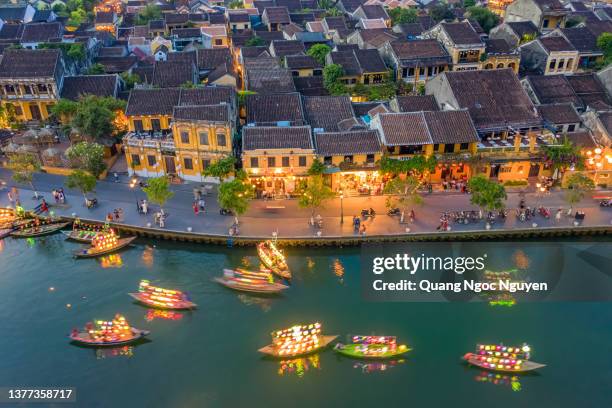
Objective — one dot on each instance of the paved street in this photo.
(287, 219)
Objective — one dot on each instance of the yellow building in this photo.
(499, 55)
(462, 43)
(277, 158)
(30, 83)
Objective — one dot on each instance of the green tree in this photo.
(255, 42)
(64, 107)
(441, 12)
(563, 156)
(331, 76)
(401, 15)
(315, 194)
(416, 165)
(486, 194)
(234, 196)
(403, 192)
(317, 168)
(77, 17)
(82, 181)
(485, 17)
(236, 4)
(24, 166)
(130, 79)
(158, 191)
(604, 42)
(87, 156)
(469, 3)
(96, 116)
(577, 186)
(221, 168)
(148, 13)
(319, 52)
(96, 69)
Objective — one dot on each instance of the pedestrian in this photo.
(10, 197)
(412, 215)
(362, 229)
(109, 217)
(44, 208)
(116, 176)
(145, 207)
(162, 221)
(558, 215)
(62, 196)
(55, 196)
(201, 204)
(429, 188)
(195, 207)
(138, 206)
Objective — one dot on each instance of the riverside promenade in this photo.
(285, 219)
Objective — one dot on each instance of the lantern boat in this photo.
(503, 359)
(243, 273)
(85, 233)
(273, 259)
(38, 230)
(297, 341)
(7, 217)
(104, 243)
(237, 281)
(372, 347)
(162, 298)
(107, 333)
(5, 233)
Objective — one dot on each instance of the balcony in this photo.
(154, 140)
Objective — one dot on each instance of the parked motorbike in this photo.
(91, 202)
(605, 203)
(393, 211)
(368, 213)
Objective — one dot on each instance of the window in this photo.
(295, 73)
(254, 162)
(552, 64)
(27, 89)
(411, 72)
(464, 146)
(184, 136)
(561, 63)
(317, 72)
(18, 110)
(545, 23)
(152, 160)
(570, 63)
(378, 78)
(203, 138)
(10, 89)
(327, 160)
(505, 169)
(205, 163)
(135, 160)
(421, 71)
(218, 41)
(156, 125)
(138, 125)
(500, 66)
(285, 161)
(429, 71)
(221, 140)
(42, 88)
(188, 161)
(571, 128)
(271, 161)
(410, 149)
(449, 148)
(348, 159)
(436, 147)
(370, 158)
(302, 161)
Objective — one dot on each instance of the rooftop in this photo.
(558, 114)
(461, 33)
(100, 85)
(208, 113)
(325, 112)
(416, 103)
(29, 63)
(267, 138)
(271, 109)
(347, 143)
(41, 32)
(555, 44)
(169, 74)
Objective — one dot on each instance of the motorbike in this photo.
(91, 203)
(544, 212)
(223, 211)
(368, 213)
(391, 211)
(605, 203)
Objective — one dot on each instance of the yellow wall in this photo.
(263, 168)
(26, 113)
(499, 62)
(570, 61)
(146, 122)
(358, 159)
(553, 21)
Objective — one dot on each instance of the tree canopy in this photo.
(319, 52)
(23, 166)
(577, 186)
(315, 193)
(441, 12)
(604, 42)
(87, 156)
(418, 164)
(331, 79)
(563, 156)
(96, 69)
(400, 15)
(485, 17)
(221, 168)
(234, 196)
(316, 168)
(486, 194)
(148, 13)
(158, 191)
(255, 42)
(96, 116)
(403, 192)
(82, 181)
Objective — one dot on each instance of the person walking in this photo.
(44, 208)
(195, 207)
(145, 207)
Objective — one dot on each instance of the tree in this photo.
(417, 165)
(87, 156)
(604, 42)
(485, 17)
(23, 167)
(236, 4)
(221, 169)
(319, 52)
(315, 193)
(577, 186)
(401, 15)
(487, 194)
(77, 17)
(469, 3)
(234, 196)
(158, 191)
(130, 79)
(82, 181)
(316, 168)
(441, 12)
(331, 75)
(563, 156)
(64, 108)
(95, 116)
(96, 69)
(148, 13)
(403, 192)
(255, 42)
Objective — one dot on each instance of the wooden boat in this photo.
(177, 305)
(272, 350)
(525, 366)
(251, 285)
(83, 338)
(161, 298)
(273, 259)
(371, 351)
(243, 273)
(83, 236)
(5, 232)
(39, 231)
(93, 252)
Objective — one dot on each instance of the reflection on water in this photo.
(502, 299)
(1, 245)
(299, 366)
(499, 379)
(124, 351)
(153, 314)
(30, 241)
(111, 261)
(264, 304)
(521, 260)
(310, 263)
(338, 269)
(147, 256)
(376, 366)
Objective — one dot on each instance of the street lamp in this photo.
(341, 207)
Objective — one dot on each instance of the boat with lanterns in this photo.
(38, 228)
(101, 333)
(252, 284)
(372, 347)
(7, 218)
(85, 233)
(162, 298)
(104, 243)
(296, 341)
(5, 232)
(497, 357)
(273, 259)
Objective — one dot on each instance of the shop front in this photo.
(358, 182)
(278, 186)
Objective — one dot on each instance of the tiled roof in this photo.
(451, 127)
(413, 52)
(184, 57)
(115, 65)
(169, 74)
(214, 57)
(417, 103)
(599, 27)
(156, 24)
(550, 5)
(351, 5)
(522, 28)
(310, 86)
(292, 5)
(216, 18)
(209, 95)
(411, 29)
(291, 29)
(302, 18)
(105, 17)
(261, 62)
(362, 108)
(376, 37)
(271, 80)
(270, 36)
(301, 62)
(404, 129)
(99, 85)
(187, 32)
(238, 17)
(209, 113)
(261, 5)
(581, 38)
(271, 109)
(325, 112)
(358, 62)
(29, 63)
(254, 52)
(175, 18)
(582, 139)
(282, 48)
(558, 114)
(263, 138)
(214, 31)
(461, 33)
(152, 101)
(497, 46)
(11, 31)
(374, 11)
(589, 89)
(335, 23)
(555, 43)
(346, 143)
(277, 15)
(145, 73)
(426, 21)
(41, 32)
(118, 51)
(495, 98)
(553, 89)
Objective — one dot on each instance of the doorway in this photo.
(170, 165)
(35, 111)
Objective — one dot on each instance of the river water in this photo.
(208, 357)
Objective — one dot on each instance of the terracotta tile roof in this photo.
(494, 98)
(11, 31)
(550, 5)
(238, 17)
(291, 28)
(270, 36)
(276, 15)
(374, 11)
(254, 52)
(208, 95)
(213, 57)
(292, 5)
(216, 18)
(497, 46)
(310, 86)
(215, 31)
(582, 138)
(261, 5)
(119, 51)
(29, 63)
(187, 32)
(416, 103)
(115, 65)
(404, 129)
(263, 138)
(376, 37)
(152, 101)
(461, 33)
(451, 127)
(363, 108)
(581, 38)
(282, 48)
(301, 62)
(351, 5)
(270, 109)
(325, 112)
(558, 114)
(100, 85)
(411, 53)
(556, 43)
(589, 88)
(358, 62)
(302, 18)
(522, 28)
(41, 32)
(207, 113)
(597, 28)
(553, 89)
(105, 17)
(145, 73)
(169, 74)
(347, 143)
(334, 23)
(426, 22)
(271, 80)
